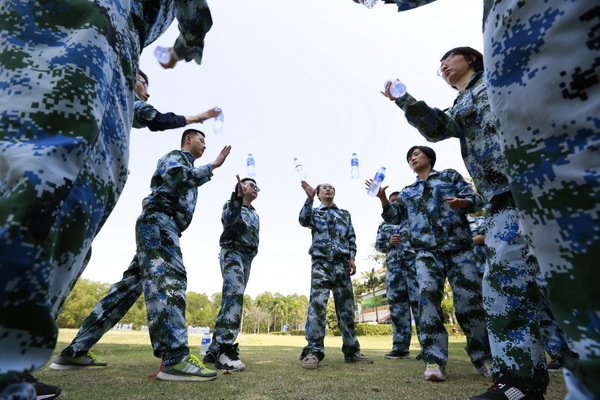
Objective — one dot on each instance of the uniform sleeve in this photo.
(465, 191)
(394, 213)
(305, 217)
(351, 237)
(176, 172)
(195, 20)
(434, 124)
(382, 242)
(232, 210)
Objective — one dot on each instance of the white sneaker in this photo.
(434, 373)
(310, 362)
(228, 360)
(485, 370)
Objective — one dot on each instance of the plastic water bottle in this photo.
(354, 166)
(398, 89)
(396, 230)
(368, 3)
(376, 183)
(251, 165)
(299, 168)
(218, 123)
(162, 54)
(205, 342)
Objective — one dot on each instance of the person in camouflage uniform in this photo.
(239, 245)
(477, 225)
(157, 268)
(402, 289)
(435, 208)
(544, 91)
(511, 293)
(146, 116)
(332, 251)
(66, 107)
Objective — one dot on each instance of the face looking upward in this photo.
(196, 145)
(141, 88)
(418, 161)
(455, 68)
(326, 192)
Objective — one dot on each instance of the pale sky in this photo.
(294, 78)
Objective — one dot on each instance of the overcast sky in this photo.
(294, 78)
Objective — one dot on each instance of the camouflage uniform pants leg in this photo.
(413, 290)
(108, 312)
(235, 269)
(329, 277)
(165, 281)
(544, 88)
(432, 270)
(68, 70)
(399, 304)
(512, 302)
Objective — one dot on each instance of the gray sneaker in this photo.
(310, 362)
(359, 358)
(88, 361)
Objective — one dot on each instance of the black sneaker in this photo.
(501, 391)
(397, 355)
(209, 358)
(228, 360)
(555, 366)
(42, 390)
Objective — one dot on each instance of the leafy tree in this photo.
(80, 302)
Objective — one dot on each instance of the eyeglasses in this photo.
(144, 83)
(253, 186)
(445, 62)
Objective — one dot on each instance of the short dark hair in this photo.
(319, 188)
(472, 56)
(190, 132)
(140, 72)
(428, 151)
(243, 180)
(396, 193)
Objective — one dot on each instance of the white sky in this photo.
(294, 78)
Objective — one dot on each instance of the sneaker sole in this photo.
(188, 378)
(310, 366)
(226, 368)
(396, 357)
(435, 378)
(62, 367)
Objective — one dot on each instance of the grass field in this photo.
(273, 372)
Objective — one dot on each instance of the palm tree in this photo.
(373, 281)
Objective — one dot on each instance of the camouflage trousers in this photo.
(235, 269)
(459, 267)
(402, 291)
(326, 277)
(68, 71)
(544, 88)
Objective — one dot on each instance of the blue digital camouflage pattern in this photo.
(157, 269)
(239, 245)
(402, 289)
(66, 103)
(333, 245)
(442, 241)
(145, 115)
(477, 225)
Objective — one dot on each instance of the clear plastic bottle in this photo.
(368, 3)
(219, 120)
(376, 183)
(299, 168)
(251, 165)
(354, 166)
(205, 342)
(398, 89)
(162, 54)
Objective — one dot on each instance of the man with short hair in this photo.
(157, 269)
(333, 250)
(402, 289)
(239, 245)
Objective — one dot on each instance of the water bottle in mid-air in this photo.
(205, 342)
(162, 54)
(251, 165)
(299, 168)
(398, 89)
(377, 181)
(368, 3)
(218, 122)
(354, 166)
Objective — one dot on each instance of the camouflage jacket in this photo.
(240, 225)
(472, 122)
(394, 252)
(145, 115)
(174, 187)
(153, 17)
(333, 235)
(432, 224)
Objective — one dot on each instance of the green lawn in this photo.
(273, 372)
